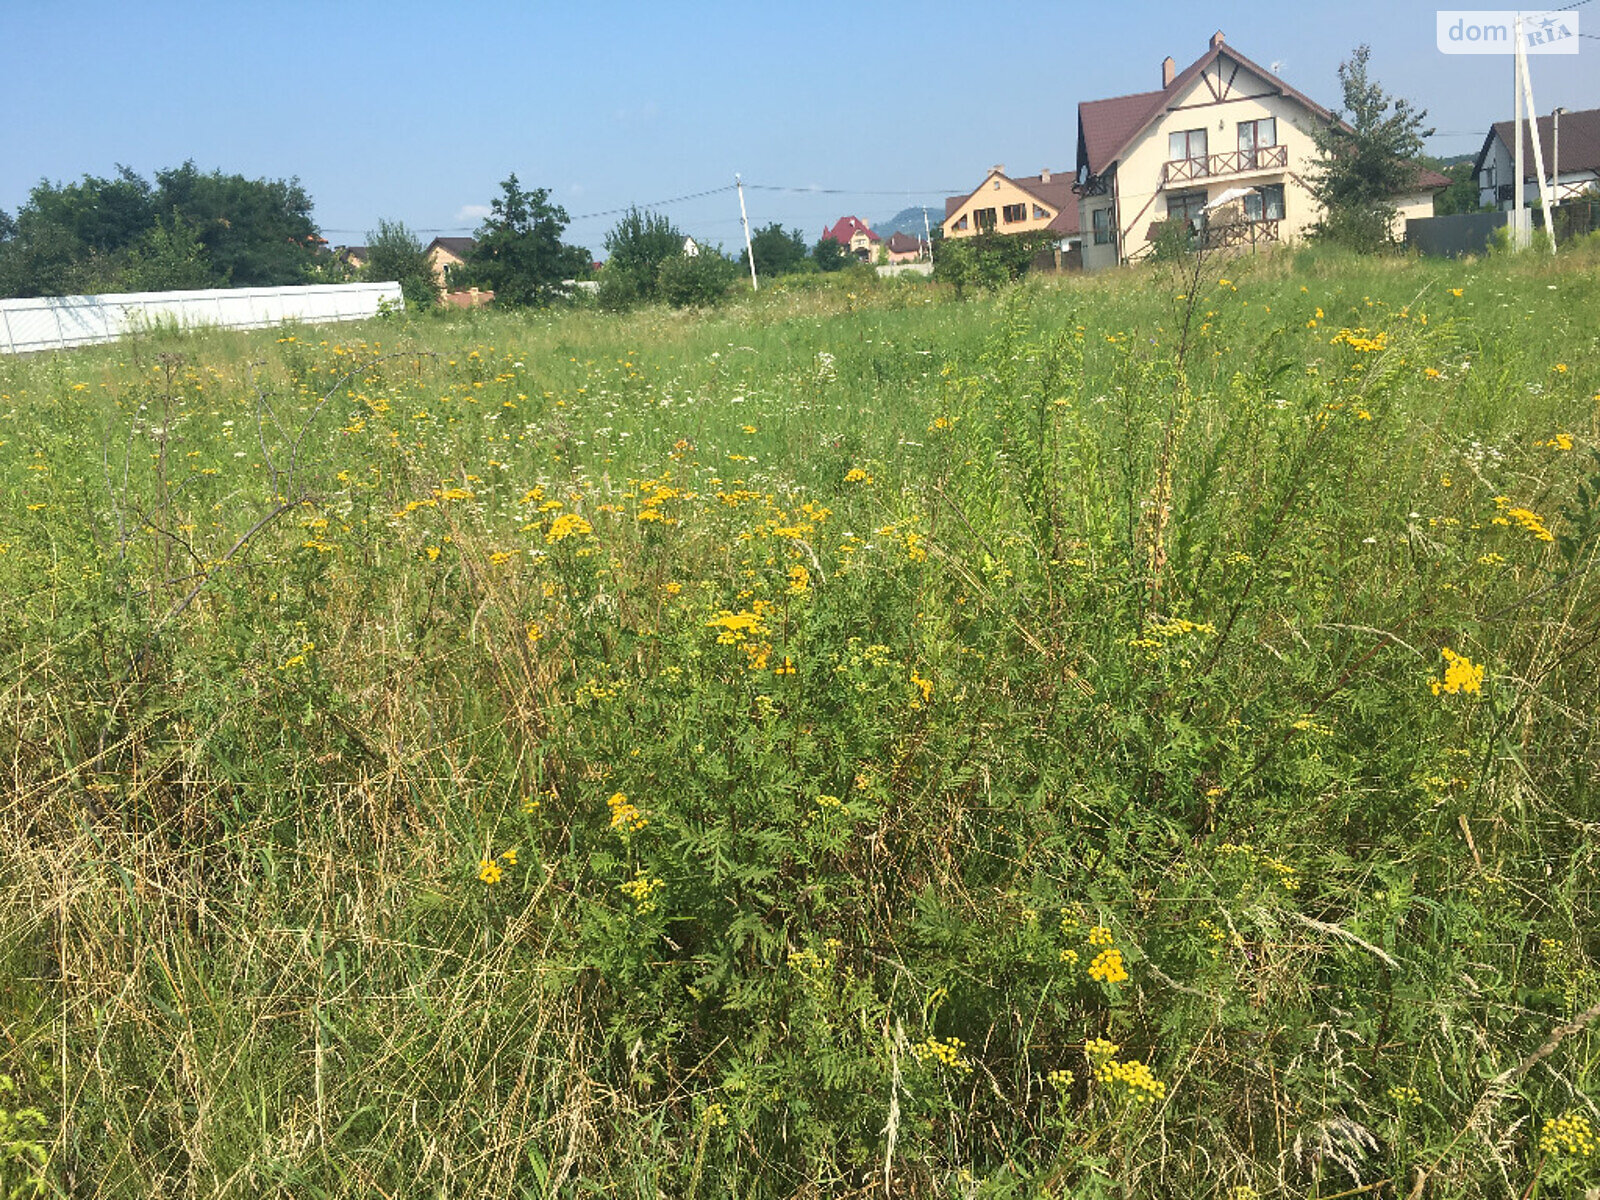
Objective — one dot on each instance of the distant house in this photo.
(1019, 204)
(855, 236)
(446, 252)
(1578, 134)
(691, 248)
(903, 247)
(354, 257)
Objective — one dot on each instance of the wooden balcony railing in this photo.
(1234, 162)
(1240, 233)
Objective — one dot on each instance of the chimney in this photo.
(1216, 39)
(998, 169)
(1169, 70)
(1044, 176)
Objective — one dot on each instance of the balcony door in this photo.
(1188, 146)
(1254, 137)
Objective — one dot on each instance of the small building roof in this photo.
(904, 243)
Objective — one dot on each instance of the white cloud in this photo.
(473, 212)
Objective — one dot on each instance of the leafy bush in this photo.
(696, 280)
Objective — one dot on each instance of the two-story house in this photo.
(1570, 144)
(446, 252)
(856, 236)
(1222, 125)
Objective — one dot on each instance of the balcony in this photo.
(1241, 233)
(1234, 162)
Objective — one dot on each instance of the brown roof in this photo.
(453, 245)
(1580, 142)
(1055, 193)
(904, 243)
(1106, 128)
(1431, 181)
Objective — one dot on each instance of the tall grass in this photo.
(856, 742)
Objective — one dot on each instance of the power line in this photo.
(764, 187)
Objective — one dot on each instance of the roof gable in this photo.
(1107, 128)
(846, 228)
(1053, 192)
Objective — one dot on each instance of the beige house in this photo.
(1222, 125)
(856, 236)
(1027, 204)
(446, 252)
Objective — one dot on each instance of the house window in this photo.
(1014, 213)
(1265, 203)
(1186, 206)
(1190, 145)
(1040, 213)
(1102, 226)
(983, 218)
(1254, 136)
(961, 223)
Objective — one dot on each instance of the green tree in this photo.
(638, 245)
(75, 237)
(777, 252)
(829, 255)
(395, 253)
(1365, 160)
(257, 232)
(169, 257)
(519, 253)
(1462, 194)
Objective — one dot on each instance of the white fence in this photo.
(56, 322)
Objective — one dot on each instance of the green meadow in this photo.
(1129, 736)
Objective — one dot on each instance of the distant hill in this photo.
(1439, 164)
(909, 220)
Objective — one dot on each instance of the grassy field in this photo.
(1126, 737)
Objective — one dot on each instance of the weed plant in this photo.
(1130, 736)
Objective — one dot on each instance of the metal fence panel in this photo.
(1450, 237)
(57, 322)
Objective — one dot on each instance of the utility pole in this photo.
(1555, 154)
(749, 250)
(1533, 136)
(927, 233)
(1520, 228)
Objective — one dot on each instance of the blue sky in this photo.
(416, 112)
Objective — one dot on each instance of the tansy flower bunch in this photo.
(1571, 1134)
(489, 869)
(1461, 674)
(1134, 1077)
(946, 1054)
(624, 816)
(639, 889)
